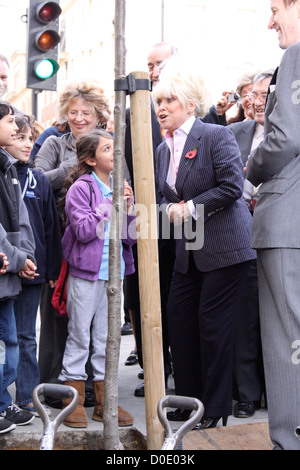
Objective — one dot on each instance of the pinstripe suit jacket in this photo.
(214, 178)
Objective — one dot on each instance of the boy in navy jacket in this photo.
(39, 200)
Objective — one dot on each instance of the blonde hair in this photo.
(246, 79)
(90, 92)
(180, 79)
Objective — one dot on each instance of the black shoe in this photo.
(126, 329)
(132, 359)
(53, 402)
(15, 415)
(245, 409)
(207, 423)
(140, 390)
(178, 415)
(6, 426)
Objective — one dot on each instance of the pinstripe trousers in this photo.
(279, 298)
(202, 310)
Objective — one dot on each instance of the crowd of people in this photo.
(230, 316)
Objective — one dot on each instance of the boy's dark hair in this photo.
(5, 109)
(24, 122)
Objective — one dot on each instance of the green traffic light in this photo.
(45, 68)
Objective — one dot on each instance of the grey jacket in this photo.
(56, 158)
(276, 161)
(18, 246)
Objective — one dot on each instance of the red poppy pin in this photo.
(191, 154)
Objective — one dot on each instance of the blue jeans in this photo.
(28, 376)
(9, 343)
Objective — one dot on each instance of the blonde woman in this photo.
(84, 107)
(200, 180)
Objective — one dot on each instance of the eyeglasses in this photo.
(254, 96)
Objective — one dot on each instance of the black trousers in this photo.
(249, 380)
(166, 263)
(202, 309)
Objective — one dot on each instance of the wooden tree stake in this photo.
(150, 306)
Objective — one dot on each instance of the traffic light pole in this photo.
(34, 103)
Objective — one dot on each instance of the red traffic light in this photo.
(48, 11)
(47, 40)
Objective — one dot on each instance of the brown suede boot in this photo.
(124, 418)
(78, 418)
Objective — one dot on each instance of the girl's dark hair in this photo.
(5, 109)
(86, 147)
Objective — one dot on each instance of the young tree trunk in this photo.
(110, 418)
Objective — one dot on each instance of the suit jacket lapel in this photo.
(186, 164)
(165, 161)
(156, 132)
(170, 194)
(245, 140)
(272, 82)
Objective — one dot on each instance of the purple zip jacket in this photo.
(83, 240)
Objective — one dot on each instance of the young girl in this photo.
(39, 200)
(88, 208)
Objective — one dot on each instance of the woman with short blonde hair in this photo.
(200, 184)
(90, 92)
(186, 84)
(85, 107)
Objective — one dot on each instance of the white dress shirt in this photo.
(176, 142)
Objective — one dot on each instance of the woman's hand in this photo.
(178, 213)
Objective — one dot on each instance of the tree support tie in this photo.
(130, 84)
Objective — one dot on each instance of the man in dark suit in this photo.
(158, 54)
(248, 364)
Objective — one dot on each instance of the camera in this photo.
(233, 97)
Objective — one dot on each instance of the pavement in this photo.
(128, 381)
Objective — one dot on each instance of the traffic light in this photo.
(42, 45)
